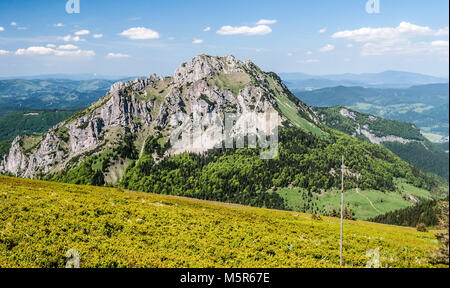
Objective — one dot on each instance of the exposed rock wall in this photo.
(188, 97)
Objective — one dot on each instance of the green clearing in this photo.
(290, 111)
(30, 142)
(365, 204)
(233, 81)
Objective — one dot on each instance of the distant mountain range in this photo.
(73, 77)
(427, 106)
(23, 95)
(40, 94)
(387, 79)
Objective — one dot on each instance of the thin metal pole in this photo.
(342, 206)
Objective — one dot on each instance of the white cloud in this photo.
(87, 53)
(38, 50)
(261, 28)
(197, 41)
(2, 29)
(327, 48)
(51, 46)
(13, 24)
(245, 30)
(397, 40)
(350, 45)
(117, 55)
(58, 25)
(97, 36)
(171, 38)
(290, 54)
(67, 47)
(323, 30)
(442, 32)
(440, 43)
(266, 22)
(70, 38)
(3, 52)
(405, 47)
(308, 61)
(207, 29)
(404, 30)
(140, 33)
(309, 52)
(82, 32)
(35, 50)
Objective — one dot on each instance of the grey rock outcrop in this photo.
(203, 66)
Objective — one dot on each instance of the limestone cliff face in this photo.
(83, 134)
(200, 92)
(367, 132)
(16, 159)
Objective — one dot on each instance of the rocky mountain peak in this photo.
(116, 87)
(137, 85)
(205, 67)
(207, 87)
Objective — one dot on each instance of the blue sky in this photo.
(143, 36)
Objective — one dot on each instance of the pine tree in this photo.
(421, 227)
(348, 213)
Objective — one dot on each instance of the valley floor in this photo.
(365, 204)
(41, 221)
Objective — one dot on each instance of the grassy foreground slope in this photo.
(41, 221)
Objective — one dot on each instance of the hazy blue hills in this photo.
(387, 79)
(23, 95)
(427, 106)
(74, 77)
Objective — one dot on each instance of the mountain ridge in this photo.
(426, 105)
(402, 138)
(385, 79)
(125, 139)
